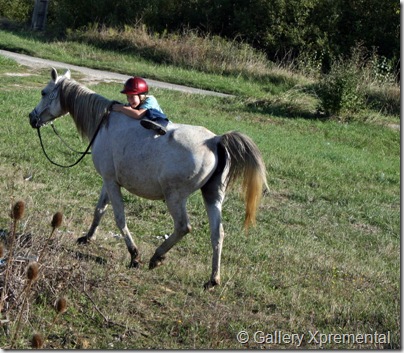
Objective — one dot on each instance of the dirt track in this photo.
(99, 75)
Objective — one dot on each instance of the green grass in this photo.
(274, 88)
(132, 64)
(325, 254)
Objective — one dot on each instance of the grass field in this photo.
(323, 262)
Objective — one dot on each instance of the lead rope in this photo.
(64, 142)
(83, 154)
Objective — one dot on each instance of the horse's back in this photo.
(151, 165)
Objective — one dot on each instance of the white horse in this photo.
(169, 167)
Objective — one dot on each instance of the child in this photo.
(140, 105)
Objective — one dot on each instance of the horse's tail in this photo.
(245, 161)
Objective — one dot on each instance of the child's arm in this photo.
(129, 111)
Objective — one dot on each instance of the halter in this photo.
(52, 96)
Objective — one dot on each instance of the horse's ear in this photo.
(67, 74)
(54, 74)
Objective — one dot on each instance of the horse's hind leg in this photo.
(213, 195)
(177, 209)
(98, 213)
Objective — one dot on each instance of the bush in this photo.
(340, 90)
(17, 10)
(364, 80)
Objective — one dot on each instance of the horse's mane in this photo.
(85, 106)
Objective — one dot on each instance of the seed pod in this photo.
(18, 210)
(57, 220)
(32, 271)
(61, 305)
(37, 341)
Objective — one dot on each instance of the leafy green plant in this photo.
(339, 91)
(18, 10)
(363, 80)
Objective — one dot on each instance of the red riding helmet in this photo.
(135, 85)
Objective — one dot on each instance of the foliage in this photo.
(279, 26)
(18, 10)
(339, 91)
(74, 14)
(325, 28)
(347, 87)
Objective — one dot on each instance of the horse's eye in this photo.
(43, 93)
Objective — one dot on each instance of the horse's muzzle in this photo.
(34, 120)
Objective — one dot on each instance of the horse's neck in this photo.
(85, 106)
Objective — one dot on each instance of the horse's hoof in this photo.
(135, 262)
(83, 240)
(210, 285)
(156, 261)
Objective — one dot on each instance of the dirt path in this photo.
(99, 75)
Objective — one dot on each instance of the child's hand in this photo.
(117, 107)
(128, 111)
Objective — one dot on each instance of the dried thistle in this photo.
(57, 220)
(16, 214)
(32, 271)
(32, 274)
(37, 341)
(18, 210)
(61, 305)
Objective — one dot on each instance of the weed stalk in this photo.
(56, 223)
(32, 275)
(16, 214)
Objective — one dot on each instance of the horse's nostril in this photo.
(33, 119)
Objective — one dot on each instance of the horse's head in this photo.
(49, 108)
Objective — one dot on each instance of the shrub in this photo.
(17, 10)
(340, 90)
(364, 80)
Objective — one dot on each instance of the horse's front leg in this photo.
(114, 193)
(98, 213)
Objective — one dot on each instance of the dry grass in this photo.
(189, 50)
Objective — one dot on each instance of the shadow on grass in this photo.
(283, 110)
(306, 105)
(21, 31)
(17, 49)
(294, 103)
